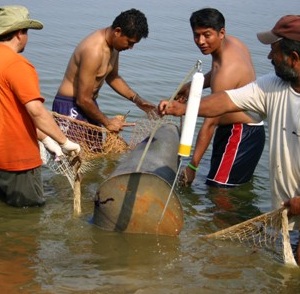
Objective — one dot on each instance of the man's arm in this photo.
(183, 94)
(44, 121)
(210, 106)
(207, 80)
(118, 84)
(204, 137)
(88, 70)
(46, 124)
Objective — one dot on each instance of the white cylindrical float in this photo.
(191, 115)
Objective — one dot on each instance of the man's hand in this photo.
(186, 177)
(115, 124)
(183, 94)
(70, 148)
(293, 205)
(146, 106)
(171, 108)
(52, 146)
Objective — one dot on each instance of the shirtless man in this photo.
(95, 60)
(238, 142)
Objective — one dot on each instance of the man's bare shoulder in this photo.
(92, 42)
(235, 68)
(236, 49)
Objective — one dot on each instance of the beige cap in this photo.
(16, 17)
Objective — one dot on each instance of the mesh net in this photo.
(67, 166)
(144, 127)
(95, 142)
(268, 232)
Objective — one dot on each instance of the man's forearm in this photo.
(44, 121)
(122, 88)
(216, 104)
(91, 110)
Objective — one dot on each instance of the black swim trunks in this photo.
(236, 151)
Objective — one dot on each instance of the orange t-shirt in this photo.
(19, 84)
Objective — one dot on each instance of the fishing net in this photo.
(95, 142)
(145, 127)
(268, 232)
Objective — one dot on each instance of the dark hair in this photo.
(208, 18)
(7, 37)
(288, 46)
(10, 35)
(133, 24)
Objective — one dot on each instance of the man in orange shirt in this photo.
(24, 119)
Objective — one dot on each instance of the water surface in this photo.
(48, 250)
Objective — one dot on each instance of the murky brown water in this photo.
(49, 250)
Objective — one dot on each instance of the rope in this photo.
(159, 121)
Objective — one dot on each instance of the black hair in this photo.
(133, 24)
(208, 18)
(10, 35)
(7, 37)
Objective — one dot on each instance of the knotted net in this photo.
(95, 142)
(268, 232)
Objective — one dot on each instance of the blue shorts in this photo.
(236, 151)
(67, 106)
